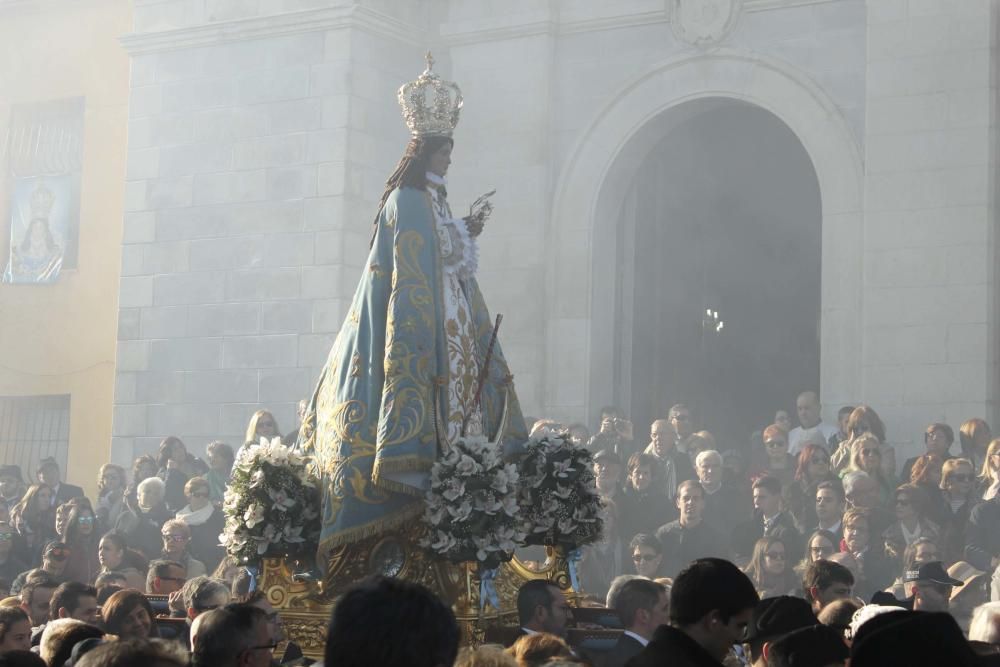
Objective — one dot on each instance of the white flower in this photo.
(292, 535)
(462, 512)
(253, 515)
(456, 489)
(445, 542)
(257, 479)
(510, 505)
(500, 481)
(562, 469)
(281, 500)
(563, 492)
(566, 526)
(467, 466)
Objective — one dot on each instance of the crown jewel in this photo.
(42, 200)
(430, 105)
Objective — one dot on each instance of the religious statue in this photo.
(37, 257)
(415, 364)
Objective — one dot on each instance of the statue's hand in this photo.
(474, 224)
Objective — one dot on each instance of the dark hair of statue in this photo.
(411, 171)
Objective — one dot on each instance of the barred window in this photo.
(33, 428)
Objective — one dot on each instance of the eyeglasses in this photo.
(775, 555)
(176, 538)
(177, 579)
(820, 550)
(57, 554)
(959, 477)
(199, 494)
(903, 502)
(266, 423)
(269, 647)
(86, 520)
(774, 444)
(644, 558)
(866, 451)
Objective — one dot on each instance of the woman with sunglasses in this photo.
(911, 521)
(770, 571)
(866, 455)
(205, 521)
(81, 538)
(176, 540)
(958, 484)
(777, 462)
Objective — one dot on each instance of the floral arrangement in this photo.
(271, 504)
(559, 492)
(472, 511)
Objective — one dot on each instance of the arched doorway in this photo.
(581, 300)
(718, 293)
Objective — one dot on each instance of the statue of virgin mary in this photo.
(406, 372)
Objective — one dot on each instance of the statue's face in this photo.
(441, 160)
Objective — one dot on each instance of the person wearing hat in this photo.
(906, 638)
(50, 475)
(54, 558)
(974, 591)
(930, 587)
(772, 619)
(817, 645)
(608, 474)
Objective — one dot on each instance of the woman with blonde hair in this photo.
(989, 476)
(863, 420)
(262, 425)
(958, 481)
(975, 435)
(866, 455)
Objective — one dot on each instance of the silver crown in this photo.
(430, 105)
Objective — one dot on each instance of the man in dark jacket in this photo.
(769, 520)
(642, 607)
(49, 473)
(690, 537)
(982, 537)
(711, 603)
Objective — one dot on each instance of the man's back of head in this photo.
(391, 623)
(639, 606)
(136, 653)
(225, 634)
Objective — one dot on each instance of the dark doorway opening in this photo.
(724, 217)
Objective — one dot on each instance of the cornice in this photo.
(311, 20)
(469, 32)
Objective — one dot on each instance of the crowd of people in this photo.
(772, 554)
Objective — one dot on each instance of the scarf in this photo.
(195, 517)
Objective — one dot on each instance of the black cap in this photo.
(907, 638)
(933, 572)
(815, 645)
(773, 617)
(607, 455)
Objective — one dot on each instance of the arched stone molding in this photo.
(595, 181)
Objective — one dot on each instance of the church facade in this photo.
(260, 134)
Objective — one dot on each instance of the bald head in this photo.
(807, 406)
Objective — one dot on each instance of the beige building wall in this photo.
(60, 339)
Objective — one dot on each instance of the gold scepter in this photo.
(484, 371)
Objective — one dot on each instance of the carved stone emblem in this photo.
(704, 23)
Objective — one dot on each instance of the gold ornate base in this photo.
(306, 606)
